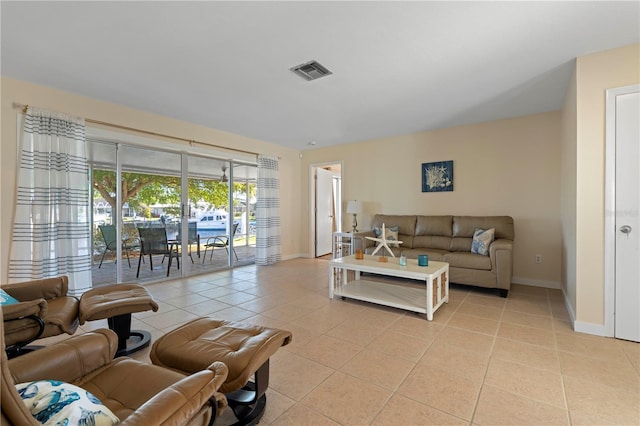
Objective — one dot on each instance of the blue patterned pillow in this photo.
(482, 238)
(391, 232)
(52, 402)
(6, 299)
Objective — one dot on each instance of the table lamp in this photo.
(354, 207)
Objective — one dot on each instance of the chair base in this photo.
(248, 403)
(121, 325)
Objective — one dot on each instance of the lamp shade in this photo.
(354, 207)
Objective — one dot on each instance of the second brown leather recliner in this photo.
(136, 392)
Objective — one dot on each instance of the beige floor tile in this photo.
(540, 385)
(613, 405)
(327, 350)
(528, 320)
(378, 368)
(416, 326)
(632, 351)
(301, 415)
(491, 301)
(527, 334)
(233, 314)
(480, 311)
(499, 407)
(207, 308)
(287, 312)
(171, 318)
(445, 391)
(591, 346)
(531, 306)
(404, 411)
(347, 400)
(479, 325)
(401, 345)
(456, 360)
(526, 354)
(237, 298)
(619, 374)
(186, 300)
(295, 376)
(357, 333)
(277, 404)
(468, 340)
(579, 418)
(496, 359)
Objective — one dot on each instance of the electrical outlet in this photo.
(538, 258)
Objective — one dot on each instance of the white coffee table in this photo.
(424, 297)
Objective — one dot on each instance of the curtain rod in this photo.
(24, 107)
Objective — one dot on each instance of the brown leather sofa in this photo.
(136, 392)
(448, 239)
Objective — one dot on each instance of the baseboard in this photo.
(537, 283)
(567, 305)
(586, 327)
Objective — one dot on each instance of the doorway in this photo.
(326, 207)
(622, 221)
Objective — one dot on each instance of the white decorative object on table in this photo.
(383, 242)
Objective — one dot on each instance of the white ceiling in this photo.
(399, 67)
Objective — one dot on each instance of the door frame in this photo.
(312, 201)
(610, 205)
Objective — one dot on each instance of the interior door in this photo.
(324, 211)
(627, 201)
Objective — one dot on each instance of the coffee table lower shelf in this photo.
(408, 297)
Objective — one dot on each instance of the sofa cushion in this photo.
(432, 242)
(406, 224)
(467, 260)
(433, 226)
(465, 226)
(482, 239)
(52, 402)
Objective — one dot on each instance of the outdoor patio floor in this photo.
(213, 262)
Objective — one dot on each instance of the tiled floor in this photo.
(484, 360)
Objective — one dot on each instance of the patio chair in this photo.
(192, 238)
(109, 235)
(220, 241)
(154, 241)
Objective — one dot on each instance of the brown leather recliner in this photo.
(137, 393)
(44, 310)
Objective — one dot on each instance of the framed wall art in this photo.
(437, 176)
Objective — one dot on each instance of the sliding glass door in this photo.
(203, 208)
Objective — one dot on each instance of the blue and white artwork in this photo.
(437, 176)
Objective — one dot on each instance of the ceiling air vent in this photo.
(311, 70)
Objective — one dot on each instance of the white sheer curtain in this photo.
(268, 212)
(51, 231)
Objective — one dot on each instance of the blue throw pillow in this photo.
(482, 239)
(52, 402)
(6, 299)
(391, 232)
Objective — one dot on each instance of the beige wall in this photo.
(507, 167)
(594, 75)
(27, 93)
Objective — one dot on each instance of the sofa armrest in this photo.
(68, 360)
(46, 288)
(180, 402)
(37, 307)
(502, 262)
